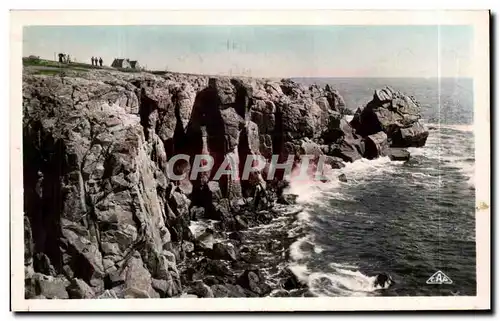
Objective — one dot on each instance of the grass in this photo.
(37, 62)
(48, 72)
(48, 67)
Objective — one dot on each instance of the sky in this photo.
(268, 51)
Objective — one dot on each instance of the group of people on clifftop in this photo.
(96, 61)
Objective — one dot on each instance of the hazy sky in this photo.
(268, 51)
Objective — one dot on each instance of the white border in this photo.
(480, 21)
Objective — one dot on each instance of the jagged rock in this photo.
(290, 280)
(333, 132)
(41, 264)
(343, 178)
(100, 208)
(394, 113)
(237, 236)
(206, 240)
(334, 162)
(287, 199)
(240, 223)
(413, 136)
(253, 280)
(222, 251)
(229, 291)
(187, 246)
(376, 145)
(165, 288)
(138, 279)
(398, 154)
(78, 289)
(201, 290)
(28, 242)
(93, 173)
(47, 286)
(217, 268)
(108, 294)
(197, 213)
(352, 146)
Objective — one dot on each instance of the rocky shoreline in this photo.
(102, 218)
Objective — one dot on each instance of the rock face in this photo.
(104, 220)
(395, 113)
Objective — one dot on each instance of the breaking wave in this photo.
(447, 154)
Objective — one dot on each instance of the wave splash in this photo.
(340, 279)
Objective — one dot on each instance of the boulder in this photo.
(237, 236)
(206, 240)
(78, 289)
(41, 264)
(222, 251)
(376, 145)
(48, 286)
(398, 154)
(254, 281)
(201, 290)
(395, 113)
(351, 147)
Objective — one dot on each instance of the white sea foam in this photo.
(304, 216)
(300, 271)
(341, 283)
(458, 127)
(314, 192)
(296, 249)
(344, 280)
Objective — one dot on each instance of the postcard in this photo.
(250, 160)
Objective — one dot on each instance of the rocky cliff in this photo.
(102, 219)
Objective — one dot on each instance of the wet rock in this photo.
(229, 291)
(222, 251)
(287, 199)
(254, 281)
(206, 240)
(290, 280)
(376, 145)
(351, 147)
(395, 113)
(240, 223)
(398, 154)
(197, 213)
(210, 280)
(237, 236)
(279, 294)
(342, 178)
(334, 162)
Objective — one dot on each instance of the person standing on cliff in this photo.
(100, 61)
(92, 60)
